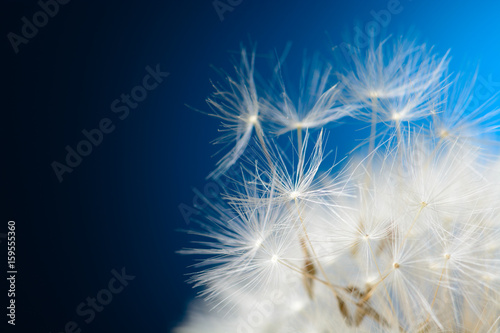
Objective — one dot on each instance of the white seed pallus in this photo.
(402, 238)
(463, 116)
(317, 105)
(238, 108)
(383, 72)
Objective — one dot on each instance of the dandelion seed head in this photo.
(399, 236)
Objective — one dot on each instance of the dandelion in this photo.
(402, 239)
(318, 103)
(393, 85)
(249, 252)
(239, 110)
(459, 120)
(303, 181)
(385, 73)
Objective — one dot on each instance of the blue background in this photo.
(120, 207)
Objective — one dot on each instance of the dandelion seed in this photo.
(318, 103)
(460, 118)
(239, 110)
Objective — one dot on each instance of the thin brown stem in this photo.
(310, 244)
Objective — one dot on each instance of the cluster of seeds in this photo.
(402, 235)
